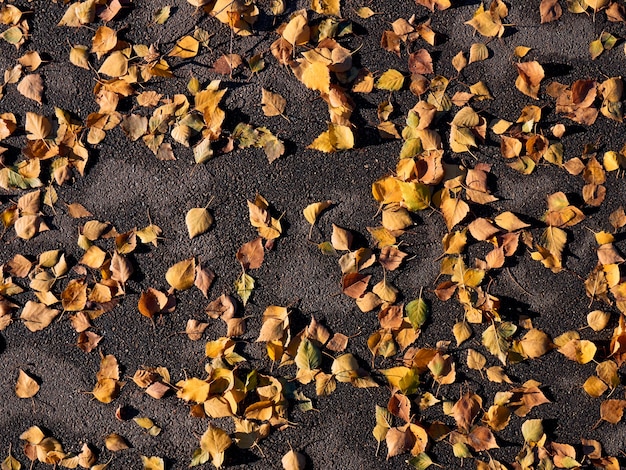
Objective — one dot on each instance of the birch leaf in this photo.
(31, 87)
(198, 221)
(26, 386)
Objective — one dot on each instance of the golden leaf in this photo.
(185, 48)
(297, 30)
(181, 276)
(198, 221)
(116, 65)
(215, 441)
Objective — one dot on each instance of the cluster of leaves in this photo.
(425, 179)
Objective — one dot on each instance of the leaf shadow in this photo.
(556, 69)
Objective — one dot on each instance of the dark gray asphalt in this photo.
(124, 183)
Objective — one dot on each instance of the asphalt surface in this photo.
(125, 184)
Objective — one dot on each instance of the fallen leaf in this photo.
(26, 386)
(198, 221)
(31, 87)
(273, 103)
(181, 276)
(293, 461)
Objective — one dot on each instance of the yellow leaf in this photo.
(185, 48)
(198, 221)
(326, 7)
(365, 12)
(297, 30)
(386, 291)
(26, 386)
(594, 386)
(215, 441)
(182, 275)
(478, 52)
(193, 389)
(475, 360)
(459, 61)
(579, 350)
(391, 80)
(293, 460)
(336, 138)
(152, 463)
(510, 222)
(312, 211)
(314, 75)
(598, 320)
(115, 65)
(462, 332)
(535, 343)
(454, 209)
(486, 23)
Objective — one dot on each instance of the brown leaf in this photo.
(194, 329)
(74, 297)
(31, 87)
(223, 306)
(480, 438)
(420, 62)
(529, 79)
(273, 104)
(399, 440)
(227, 63)
(341, 238)
(115, 442)
(466, 409)
(399, 405)
(121, 268)
(612, 410)
(354, 284)
(550, 10)
(204, 279)
(88, 340)
(78, 211)
(251, 254)
(391, 258)
(151, 302)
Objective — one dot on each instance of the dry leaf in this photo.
(26, 386)
(31, 87)
(198, 221)
(181, 276)
(273, 104)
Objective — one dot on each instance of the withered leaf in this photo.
(31, 87)
(198, 221)
(251, 254)
(273, 103)
(181, 276)
(88, 341)
(114, 442)
(26, 386)
(37, 316)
